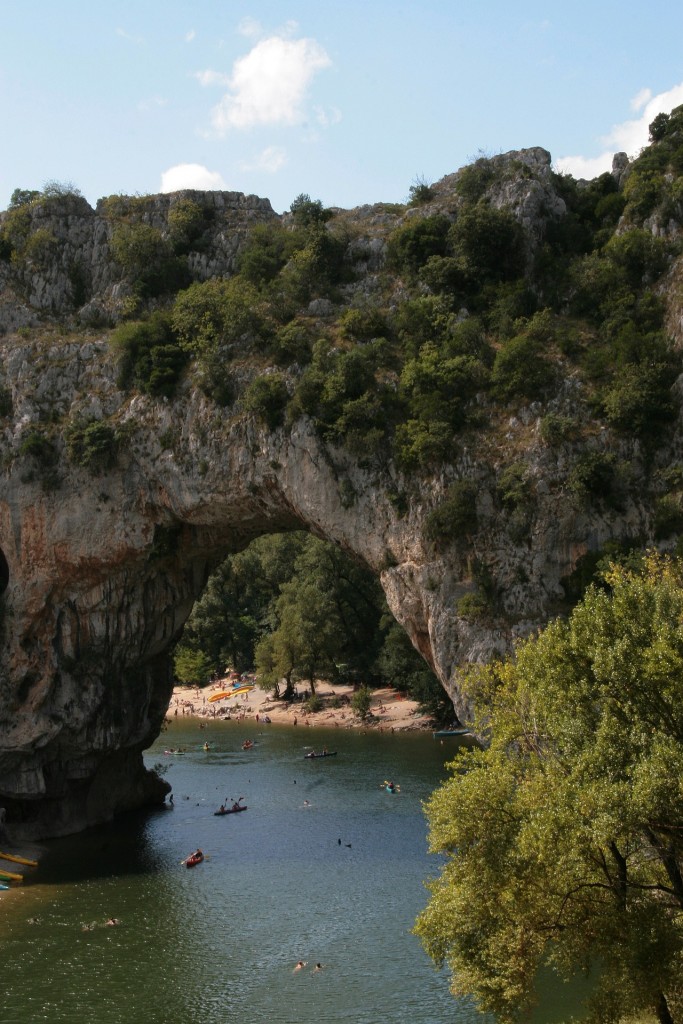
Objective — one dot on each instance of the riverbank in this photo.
(390, 711)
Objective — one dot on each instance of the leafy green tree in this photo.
(564, 837)
(192, 666)
(266, 397)
(307, 212)
(361, 702)
(236, 609)
(265, 252)
(410, 246)
(456, 516)
(187, 221)
(438, 388)
(92, 444)
(489, 242)
(147, 259)
(22, 197)
(219, 316)
(149, 355)
(520, 369)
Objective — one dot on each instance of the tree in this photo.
(564, 838)
(361, 702)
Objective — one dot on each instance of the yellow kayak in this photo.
(230, 693)
(11, 876)
(19, 860)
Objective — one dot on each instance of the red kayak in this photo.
(193, 859)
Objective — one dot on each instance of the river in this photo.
(324, 866)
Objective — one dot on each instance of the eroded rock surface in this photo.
(102, 571)
(99, 571)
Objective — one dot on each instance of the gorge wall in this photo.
(99, 569)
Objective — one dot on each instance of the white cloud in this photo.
(628, 137)
(271, 160)
(249, 27)
(585, 167)
(631, 136)
(191, 176)
(189, 36)
(210, 77)
(269, 85)
(325, 118)
(640, 99)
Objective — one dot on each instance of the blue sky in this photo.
(350, 102)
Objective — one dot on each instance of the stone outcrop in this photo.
(71, 269)
(99, 571)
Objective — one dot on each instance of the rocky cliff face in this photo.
(99, 570)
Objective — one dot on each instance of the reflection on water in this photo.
(336, 880)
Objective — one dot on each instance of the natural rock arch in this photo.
(103, 570)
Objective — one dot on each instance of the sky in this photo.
(350, 102)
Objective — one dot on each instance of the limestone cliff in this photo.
(99, 568)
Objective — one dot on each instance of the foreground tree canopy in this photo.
(564, 838)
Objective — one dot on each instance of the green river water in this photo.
(217, 944)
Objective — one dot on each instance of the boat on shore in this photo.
(11, 876)
(19, 860)
(462, 731)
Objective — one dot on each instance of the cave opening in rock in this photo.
(294, 607)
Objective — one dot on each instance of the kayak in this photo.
(3, 886)
(323, 753)
(229, 810)
(10, 876)
(235, 692)
(194, 859)
(19, 860)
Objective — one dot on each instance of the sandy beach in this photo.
(390, 710)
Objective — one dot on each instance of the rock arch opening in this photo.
(297, 608)
(105, 574)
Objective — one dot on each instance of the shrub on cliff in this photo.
(410, 246)
(309, 213)
(437, 387)
(218, 314)
(147, 259)
(187, 221)
(266, 397)
(92, 444)
(520, 370)
(150, 357)
(456, 516)
(489, 243)
(350, 397)
(266, 251)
